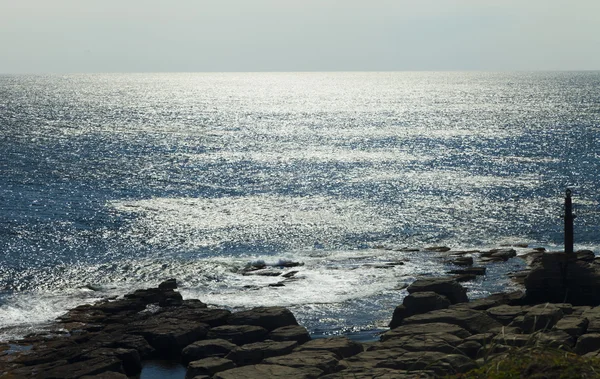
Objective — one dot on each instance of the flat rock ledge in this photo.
(437, 332)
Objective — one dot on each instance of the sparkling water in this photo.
(111, 183)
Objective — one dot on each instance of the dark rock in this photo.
(381, 373)
(440, 363)
(470, 348)
(469, 271)
(572, 325)
(84, 315)
(172, 299)
(168, 337)
(519, 277)
(193, 304)
(131, 305)
(541, 317)
(509, 298)
(429, 328)
(593, 317)
(471, 320)
(205, 349)
(130, 358)
(254, 353)
(464, 277)
(52, 351)
(483, 338)
(515, 340)
(462, 261)
(268, 371)
(417, 303)
(488, 351)
(438, 249)
(341, 346)
(278, 284)
(505, 314)
(499, 254)
(368, 360)
(150, 295)
(262, 272)
(422, 302)
(89, 367)
(588, 343)
(290, 333)
(400, 313)
(192, 312)
(556, 339)
(124, 341)
(324, 361)
(106, 375)
(585, 255)
(477, 304)
(560, 277)
(208, 366)
(288, 264)
(442, 342)
(443, 286)
(269, 318)
(289, 274)
(238, 334)
(169, 284)
(463, 252)
(532, 257)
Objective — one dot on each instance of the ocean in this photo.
(113, 182)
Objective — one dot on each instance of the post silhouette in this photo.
(568, 223)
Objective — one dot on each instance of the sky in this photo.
(80, 36)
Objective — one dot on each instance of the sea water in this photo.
(109, 183)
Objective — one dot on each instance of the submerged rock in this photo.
(469, 271)
(462, 261)
(498, 254)
(438, 249)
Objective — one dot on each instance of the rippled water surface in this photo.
(114, 182)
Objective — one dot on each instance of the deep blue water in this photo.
(113, 182)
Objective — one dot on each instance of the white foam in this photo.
(331, 278)
(27, 312)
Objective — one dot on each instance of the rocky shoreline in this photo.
(437, 331)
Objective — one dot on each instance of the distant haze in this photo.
(64, 36)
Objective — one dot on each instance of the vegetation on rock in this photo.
(536, 362)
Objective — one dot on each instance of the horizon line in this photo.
(298, 71)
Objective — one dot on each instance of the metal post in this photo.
(568, 223)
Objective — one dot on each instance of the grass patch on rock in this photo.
(535, 362)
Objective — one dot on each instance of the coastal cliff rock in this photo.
(268, 342)
(447, 287)
(558, 277)
(417, 303)
(269, 318)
